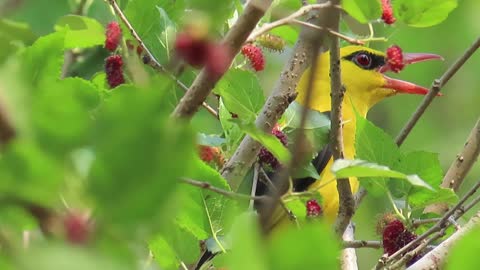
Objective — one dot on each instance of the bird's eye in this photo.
(363, 60)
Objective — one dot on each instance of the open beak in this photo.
(407, 87)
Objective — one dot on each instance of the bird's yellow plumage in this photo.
(365, 84)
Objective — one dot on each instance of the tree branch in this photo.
(362, 244)
(234, 39)
(436, 86)
(460, 167)
(436, 258)
(293, 19)
(454, 213)
(283, 177)
(346, 202)
(149, 58)
(282, 95)
(348, 258)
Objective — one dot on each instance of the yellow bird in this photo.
(365, 83)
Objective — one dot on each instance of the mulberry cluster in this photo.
(265, 156)
(113, 69)
(395, 58)
(313, 208)
(113, 36)
(387, 12)
(211, 154)
(113, 63)
(396, 236)
(255, 55)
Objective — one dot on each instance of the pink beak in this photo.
(407, 87)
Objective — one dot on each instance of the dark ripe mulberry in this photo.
(114, 70)
(113, 36)
(265, 156)
(396, 236)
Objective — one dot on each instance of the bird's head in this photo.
(363, 74)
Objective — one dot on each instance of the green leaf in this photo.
(41, 15)
(217, 11)
(293, 249)
(174, 246)
(245, 244)
(164, 253)
(203, 211)
(270, 142)
(140, 154)
(314, 120)
(427, 197)
(425, 165)
(464, 253)
(28, 173)
(423, 13)
(308, 170)
(374, 145)
(211, 140)
(146, 19)
(363, 11)
(14, 35)
(82, 32)
(241, 93)
(287, 33)
(78, 97)
(343, 168)
(56, 256)
(17, 31)
(42, 62)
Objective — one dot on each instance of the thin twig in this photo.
(281, 96)
(283, 177)
(331, 32)
(150, 59)
(286, 20)
(436, 257)
(436, 86)
(256, 169)
(418, 222)
(69, 55)
(234, 39)
(346, 203)
(362, 244)
(442, 223)
(226, 193)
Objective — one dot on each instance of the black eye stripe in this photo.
(377, 60)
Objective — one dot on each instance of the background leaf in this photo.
(423, 13)
(82, 32)
(363, 11)
(241, 93)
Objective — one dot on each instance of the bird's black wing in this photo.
(319, 162)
